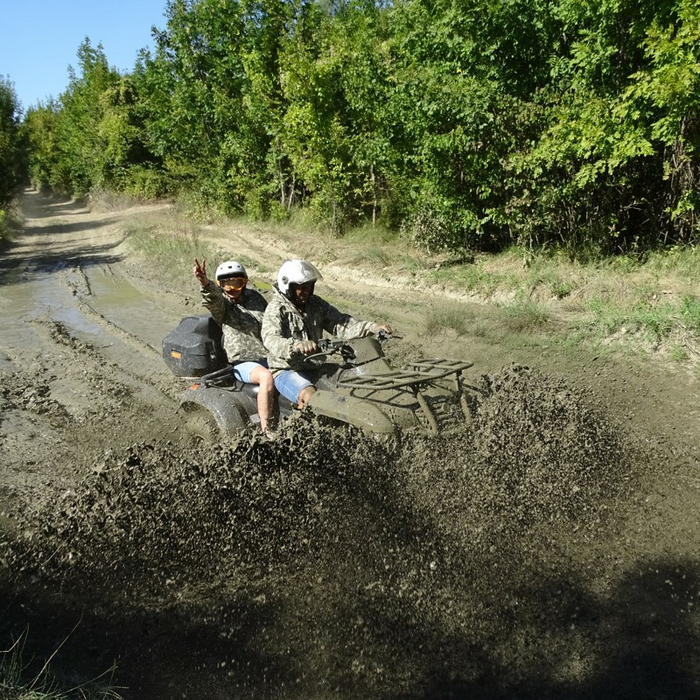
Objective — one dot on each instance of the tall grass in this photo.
(453, 317)
(476, 278)
(173, 250)
(690, 313)
(17, 682)
(4, 228)
(171, 244)
(525, 316)
(679, 262)
(654, 320)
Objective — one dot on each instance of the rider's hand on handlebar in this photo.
(305, 347)
(382, 327)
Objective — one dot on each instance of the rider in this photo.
(295, 320)
(239, 311)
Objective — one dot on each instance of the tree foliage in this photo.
(11, 152)
(472, 124)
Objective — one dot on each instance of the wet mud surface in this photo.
(547, 550)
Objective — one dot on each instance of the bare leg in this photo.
(305, 395)
(266, 395)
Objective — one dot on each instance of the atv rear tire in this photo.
(200, 427)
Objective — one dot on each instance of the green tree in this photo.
(336, 91)
(473, 124)
(39, 131)
(11, 163)
(126, 163)
(82, 145)
(666, 95)
(69, 145)
(596, 175)
(191, 91)
(465, 75)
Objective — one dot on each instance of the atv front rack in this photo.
(420, 373)
(416, 375)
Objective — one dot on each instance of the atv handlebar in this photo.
(330, 346)
(327, 347)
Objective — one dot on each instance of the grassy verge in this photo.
(647, 306)
(650, 306)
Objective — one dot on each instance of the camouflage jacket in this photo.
(283, 325)
(240, 322)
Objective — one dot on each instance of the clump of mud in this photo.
(61, 335)
(328, 563)
(19, 391)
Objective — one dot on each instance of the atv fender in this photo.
(223, 406)
(350, 409)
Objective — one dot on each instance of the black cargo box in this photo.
(195, 347)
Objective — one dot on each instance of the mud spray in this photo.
(328, 564)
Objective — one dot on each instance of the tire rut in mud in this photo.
(325, 563)
(64, 403)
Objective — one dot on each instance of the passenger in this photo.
(239, 311)
(294, 320)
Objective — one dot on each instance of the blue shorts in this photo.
(243, 370)
(290, 384)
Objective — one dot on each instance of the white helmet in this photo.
(230, 268)
(296, 272)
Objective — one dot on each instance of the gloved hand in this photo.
(305, 347)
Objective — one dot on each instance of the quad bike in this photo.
(356, 385)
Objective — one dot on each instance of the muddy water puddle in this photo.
(81, 304)
(127, 307)
(45, 298)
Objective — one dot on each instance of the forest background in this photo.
(467, 126)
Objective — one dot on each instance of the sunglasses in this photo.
(233, 283)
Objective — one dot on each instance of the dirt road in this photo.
(551, 550)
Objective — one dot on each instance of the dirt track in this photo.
(550, 551)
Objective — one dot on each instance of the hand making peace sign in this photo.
(200, 272)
